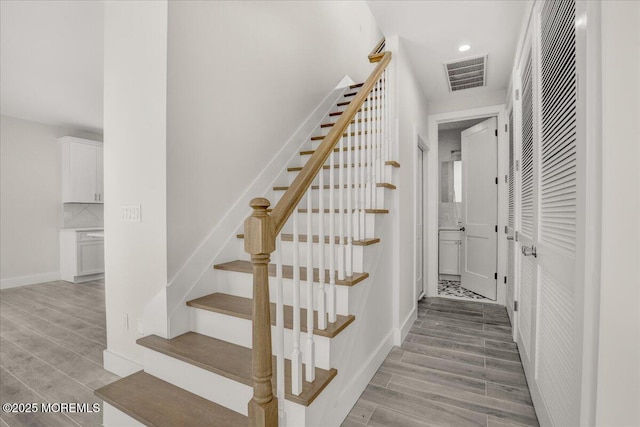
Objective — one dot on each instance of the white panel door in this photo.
(480, 208)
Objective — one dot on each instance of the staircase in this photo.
(330, 214)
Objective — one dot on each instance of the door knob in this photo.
(529, 250)
(509, 237)
(462, 228)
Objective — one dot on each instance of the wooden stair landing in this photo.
(232, 361)
(242, 308)
(303, 238)
(242, 266)
(154, 402)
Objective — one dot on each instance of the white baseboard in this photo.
(401, 333)
(29, 280)
(119, 365)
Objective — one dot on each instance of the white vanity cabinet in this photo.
(450, 243)
(81, 170)
(81, 254)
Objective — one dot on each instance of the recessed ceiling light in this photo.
(464, 48)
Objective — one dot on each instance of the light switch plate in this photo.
(131, 213)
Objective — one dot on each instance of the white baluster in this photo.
(349, 215)
(363, 179)
(310, 345)
(296, 354)
(331, 302)
(356, 176)
(322, 306)
(369, 153)
(374, 155)
(280, 334)
(341, 205)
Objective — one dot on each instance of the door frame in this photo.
(422, 144)
(499, 111)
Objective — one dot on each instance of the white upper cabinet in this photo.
(82, 170)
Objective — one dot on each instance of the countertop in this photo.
(82, 229)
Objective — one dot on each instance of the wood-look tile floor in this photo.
(51, 340)
(457, 367)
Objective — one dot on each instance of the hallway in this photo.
(457, 367)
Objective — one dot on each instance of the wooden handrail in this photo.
(261, 229)
(287, 204)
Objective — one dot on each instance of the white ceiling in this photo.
(431, 32)
(51, 52)
(51, 62)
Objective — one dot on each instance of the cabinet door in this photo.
(449, 257)
(90, 257)
(100, 173)
(82, 173)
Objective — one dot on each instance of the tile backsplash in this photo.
(449, 214)
(78, 215)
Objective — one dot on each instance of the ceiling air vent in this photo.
(466, 73)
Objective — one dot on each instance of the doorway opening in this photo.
(468, 208)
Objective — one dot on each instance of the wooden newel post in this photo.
(259, 242)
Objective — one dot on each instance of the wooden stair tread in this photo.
(331, 124)
(321, 137)
(240, 307)
(337, 113)
(242, 266)
(155, 402)
(336, 166)
(232, 361)
(303, 238)
(356, 85)
(369, 211)
(335, 150)
(326, 187)
(340, 104)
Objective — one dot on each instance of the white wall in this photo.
(30, 200)
(466, 100)
(135, 170)
(618, 387)
(411, 107)
(242, 77)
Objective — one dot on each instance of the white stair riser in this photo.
(369, 222)
(241, 285)
(238, 331)
(359, 253)
(315, 198)
(326, 172)
(216, 388)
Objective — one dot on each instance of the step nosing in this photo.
(178, 348)
(242, 266)
(241, 307)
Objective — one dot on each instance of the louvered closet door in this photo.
(527, 212)
(557, 351)
(511, 250)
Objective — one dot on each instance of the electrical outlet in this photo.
(131, 213)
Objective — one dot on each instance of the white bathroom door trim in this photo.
(421, 217)
(433, 179)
